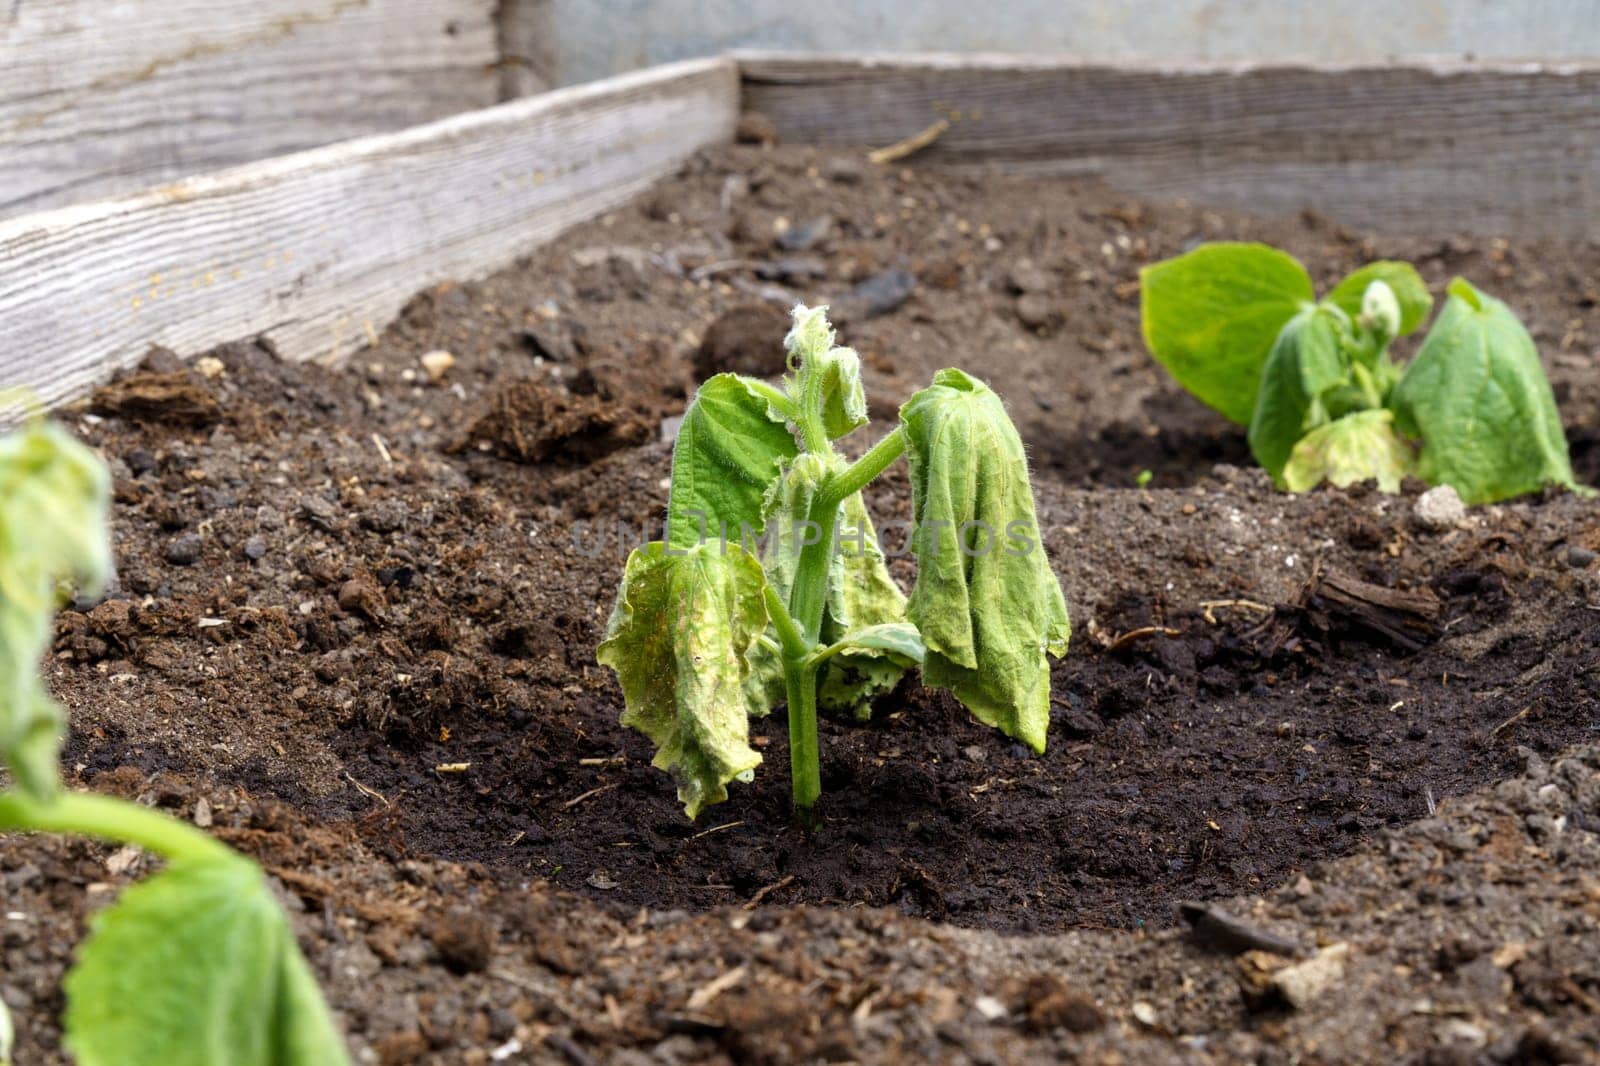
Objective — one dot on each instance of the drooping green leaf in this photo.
(1410, 291)
(1350, 449)
(861, 591)
(1211, 316)
(1306, 363)
(898, 638)
(196, 966)
(1478, 398)
(986, 602)
(54, 493)
(727, 454)
(680, 639)
(832, 375)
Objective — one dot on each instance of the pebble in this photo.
(547, 344)
(437, 364)
(845, 170)
(1025, 277)
(796, 268)
(322, 514)
(1439, 509)
(1304, 983)
(1037, 311)
(878, 295)
(140, 462)
(255, 548)
(992, 1009)
(1579, 557)
(803, 236)
(386, 516)
(184, 550)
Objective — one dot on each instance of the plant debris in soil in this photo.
(357, 608)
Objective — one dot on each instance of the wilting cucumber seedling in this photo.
(1240, 327)
(196, 965)
(710, 628)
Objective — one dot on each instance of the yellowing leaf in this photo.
(54, 493)
(1478, 398)
(1354, 448)
(680, 639)
(196, 966)
(986, 602)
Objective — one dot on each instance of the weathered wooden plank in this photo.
(315, 249)
(99, 99)
(1411, 148)
(530, 60)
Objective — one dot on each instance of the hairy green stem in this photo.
(807, 600)
(776, 398)
(792, 642)
(805, 766)
(86, 814)
(859, 474)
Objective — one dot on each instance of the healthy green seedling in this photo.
(1240, 327)
(197, 965)
(771, 582)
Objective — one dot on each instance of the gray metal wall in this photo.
(596, 38)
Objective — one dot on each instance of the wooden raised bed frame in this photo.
(318, 250)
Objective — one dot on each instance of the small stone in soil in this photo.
(320, 512)
(385, 516)
(1216, 929)
(1579, 557)
(991, 1009)
(362, 595)
(805, 235)
(1037, 311)
(791, 269)
(845, 170)
(878, 295)
(1025, 278)
(255, 548)
(1439, 509)
(547, 344)
(437, 364)
(184, 550)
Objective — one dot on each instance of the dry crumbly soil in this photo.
(353, 633)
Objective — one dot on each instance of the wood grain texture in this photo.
(316, 250)
(530, 60)
(1416, 149)
(99, 98)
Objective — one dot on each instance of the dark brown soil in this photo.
(357, 612)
